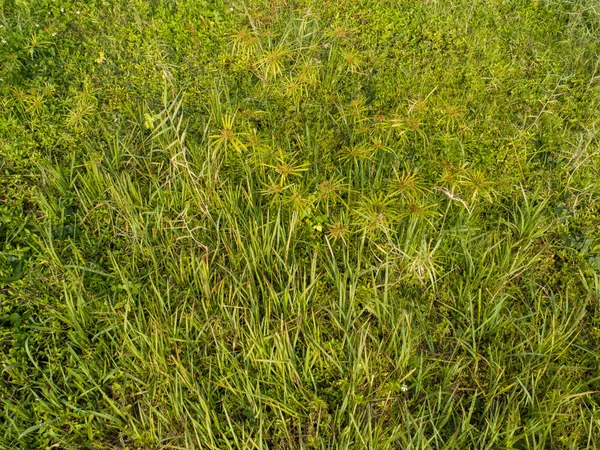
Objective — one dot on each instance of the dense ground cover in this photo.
(299, 224)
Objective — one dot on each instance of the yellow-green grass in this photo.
(299, 224)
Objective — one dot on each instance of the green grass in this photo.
(300, 224)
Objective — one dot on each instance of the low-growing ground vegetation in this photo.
(299, 224)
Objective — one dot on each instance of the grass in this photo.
(299, 224)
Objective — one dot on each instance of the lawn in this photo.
(300, 224)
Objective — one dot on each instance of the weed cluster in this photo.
(299, 224)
